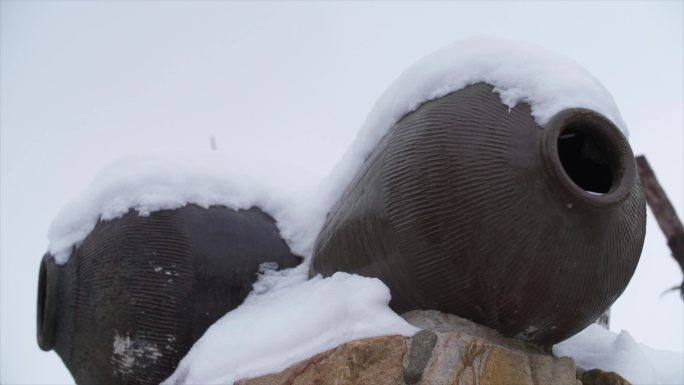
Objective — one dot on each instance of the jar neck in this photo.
(46, 322)
(587, 159)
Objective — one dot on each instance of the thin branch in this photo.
(663, 211)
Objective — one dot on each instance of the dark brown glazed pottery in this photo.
(471, 208)
(140, 290)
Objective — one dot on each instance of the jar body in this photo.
(140, 290)
(460, 209)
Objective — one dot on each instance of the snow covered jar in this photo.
(139, 290)
(492, 181)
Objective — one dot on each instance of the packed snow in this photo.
(288, 319)
(172, 179)
(598, 348)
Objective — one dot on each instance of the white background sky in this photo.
(84, 83)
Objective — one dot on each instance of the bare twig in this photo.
(663, 211)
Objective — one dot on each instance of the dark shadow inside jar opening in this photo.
(588, 158)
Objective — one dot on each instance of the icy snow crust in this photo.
(596, 347)
(287, 318)
(282, 326)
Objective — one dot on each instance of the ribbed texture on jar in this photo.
(454, 212)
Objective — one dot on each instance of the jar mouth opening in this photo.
(46, 305)
(589, 158)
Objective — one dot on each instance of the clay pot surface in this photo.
(471, 208)
(140, 290)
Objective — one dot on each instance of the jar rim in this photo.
(609, 150)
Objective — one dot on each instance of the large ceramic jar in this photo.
(140, 290)
(469, 207)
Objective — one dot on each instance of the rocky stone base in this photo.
(449, 350)
(372, 361)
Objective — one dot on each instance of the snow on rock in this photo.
(287, 319)
(598, 348)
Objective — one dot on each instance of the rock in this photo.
(450, 350)
(599, 377)
(443, 323)
(372, 361)
(422, 346)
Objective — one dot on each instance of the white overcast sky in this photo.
(83, 83)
